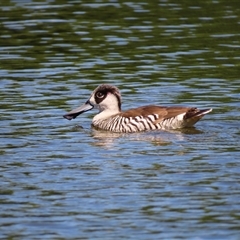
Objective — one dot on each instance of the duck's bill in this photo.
(74, 113)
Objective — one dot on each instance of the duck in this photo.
(107, 98)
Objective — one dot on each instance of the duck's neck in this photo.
(106, 113)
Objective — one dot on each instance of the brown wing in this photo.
(161, 111)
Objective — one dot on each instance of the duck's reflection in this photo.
(110, 140)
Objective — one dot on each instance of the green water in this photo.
(63, 180)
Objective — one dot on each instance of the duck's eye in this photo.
(99, 95)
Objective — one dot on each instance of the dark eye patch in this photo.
(100, 96)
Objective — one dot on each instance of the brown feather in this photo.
(163, 112)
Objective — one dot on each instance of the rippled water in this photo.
(63, 180)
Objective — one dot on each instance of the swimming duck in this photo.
(107, 99)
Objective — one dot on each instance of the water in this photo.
(63, 180)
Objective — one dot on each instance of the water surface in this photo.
(63, 180)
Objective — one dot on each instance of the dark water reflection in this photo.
(63, 180)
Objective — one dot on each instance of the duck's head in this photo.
(105, 97)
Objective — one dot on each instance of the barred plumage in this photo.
(107, 99)
(123, 124)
